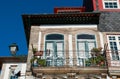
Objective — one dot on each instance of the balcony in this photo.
(113, 61)
(113, 58)
(62, 63)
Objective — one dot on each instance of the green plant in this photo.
(101, 58)
(87, 62)
(96, 51)
(33, 59)
(38, 61)
(41, 62)
(98, 60)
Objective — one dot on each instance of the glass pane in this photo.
(59, 54)
(90, 46)
(106, 4)
(119, 38)
(110, 4)
(49, 54)
(85, 36)
(114, 49)
(115, 7)
(54, 37)
(111, 37)
(81, 49)
(114, 3)
(81, 53)
(60, 49)
(49, 49)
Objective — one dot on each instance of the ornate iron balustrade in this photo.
(69, 58)
(113, 57)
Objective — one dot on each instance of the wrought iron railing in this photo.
(113, 57)
(69, 58)
(80, 58)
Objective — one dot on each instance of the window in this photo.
(85, 42)
(15, 71)
(54, 46)
(110, 4)
(114, 43)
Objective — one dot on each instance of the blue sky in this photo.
(11, 25)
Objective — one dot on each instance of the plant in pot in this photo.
(101, 60)
(98, 60)
(90, 62)
(41, 62)
(96, 51)
(33, 61)
(38, 54)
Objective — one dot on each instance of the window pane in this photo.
(115, 7)
(119, 38)
(59, 49)
(115, 3)
(110, 4)
(106, 3)
(85, 36)
(54, 37)
(111, 37)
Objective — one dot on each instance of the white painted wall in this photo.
(101, 40)
(6, 70)
(39, 41)
(70, 51)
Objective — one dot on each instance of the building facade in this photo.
(82, 45)
(102, 5)
(12, 68)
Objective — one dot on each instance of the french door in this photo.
(84, 48)
(54, 53)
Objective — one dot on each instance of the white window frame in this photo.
(117, 42)
(54, 42)
(117, 1)
(84, 58)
